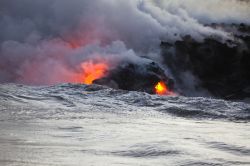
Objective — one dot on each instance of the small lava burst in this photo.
(93, 71)
(162, 89)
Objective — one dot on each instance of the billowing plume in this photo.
(46, 42)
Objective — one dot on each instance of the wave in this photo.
(70, 100)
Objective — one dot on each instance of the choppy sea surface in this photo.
(80, 125)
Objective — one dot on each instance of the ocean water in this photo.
(81, 125)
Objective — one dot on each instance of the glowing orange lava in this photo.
(93, 71)
(161, 88)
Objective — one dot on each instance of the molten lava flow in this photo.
(162, 89)
(93, 71)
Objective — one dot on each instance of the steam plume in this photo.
(45, 42)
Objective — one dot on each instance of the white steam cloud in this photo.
(45, 42)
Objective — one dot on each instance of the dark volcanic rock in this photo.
(222, 69)
(136, 77)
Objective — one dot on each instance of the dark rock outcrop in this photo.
(221, 68)
(136, 77)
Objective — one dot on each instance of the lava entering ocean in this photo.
(162, 89)
(93, 71)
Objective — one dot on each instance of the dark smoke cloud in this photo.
(45, 41)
